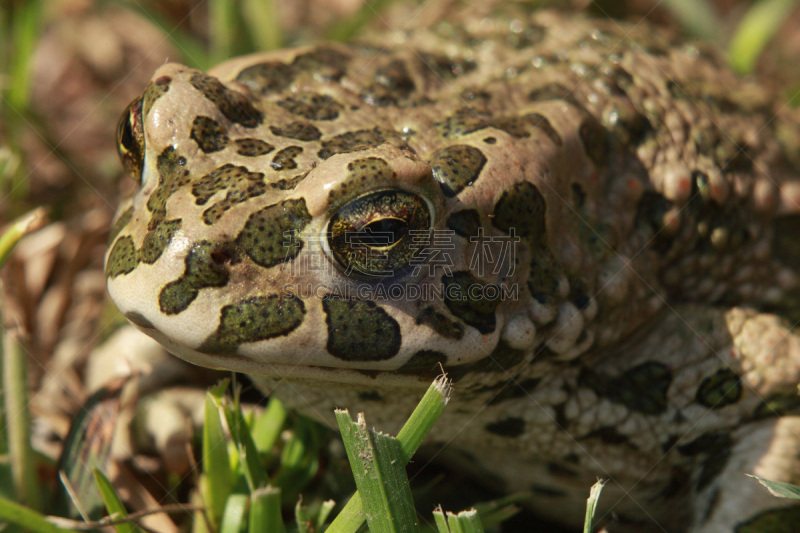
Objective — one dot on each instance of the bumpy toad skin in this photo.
(586, 204)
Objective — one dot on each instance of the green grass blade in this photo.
(759, 25)
(13, 364)
(348, 27)
(222, 21)
(218, 391)
(265, 511)
(454, 524)
(24, 225)
(779, 489)
(216, 462)
(234, 517)
(423, 418)
(113, 503)
(494, 512)
(697, 17)
(200, 516)
(470, 521)
(25, 28)
(441, 521)
(349, 520)
(75, 498)
(324, 512)
(26, 518)
(249, 458)
(301, 517)
(263, 24)
(591, 505)
(87, 446)
(299, 459)
(379, 471)
(268, 427)
(410, 438)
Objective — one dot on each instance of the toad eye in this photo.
(130, 139)
(377, 234)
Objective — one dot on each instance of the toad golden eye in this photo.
(377, 235)
(130, 138)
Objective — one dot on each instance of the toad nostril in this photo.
(221, 257)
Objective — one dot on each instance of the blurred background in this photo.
(68, 68)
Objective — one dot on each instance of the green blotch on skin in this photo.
(241, 184)
(781, 520)
(226, 177)
(312, 106)
(205, 267)
(392, 84)
(122, 258)
(353, 141)
(440, 323)
(469, 120)
(720, 389)
(252, 147)
(778, 404)
(209, 135)
(234, 105)
(361, 173)
(172, 177)
(267, 77)
(360, 330)
(120, 224)
(642, 388)
(156, 241)
(713, 466)
(288, 184)
(324, 62)
(543, 276)
(523, 209)
(517, 127)
(465, 223)
(154, 91)
(459, 290)
(462, 122)
(176, 296)
(269, 236)
(284, 159)
(716, 448)
(255, 319)
(540, 122)
(457, 167)
(301, 131)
